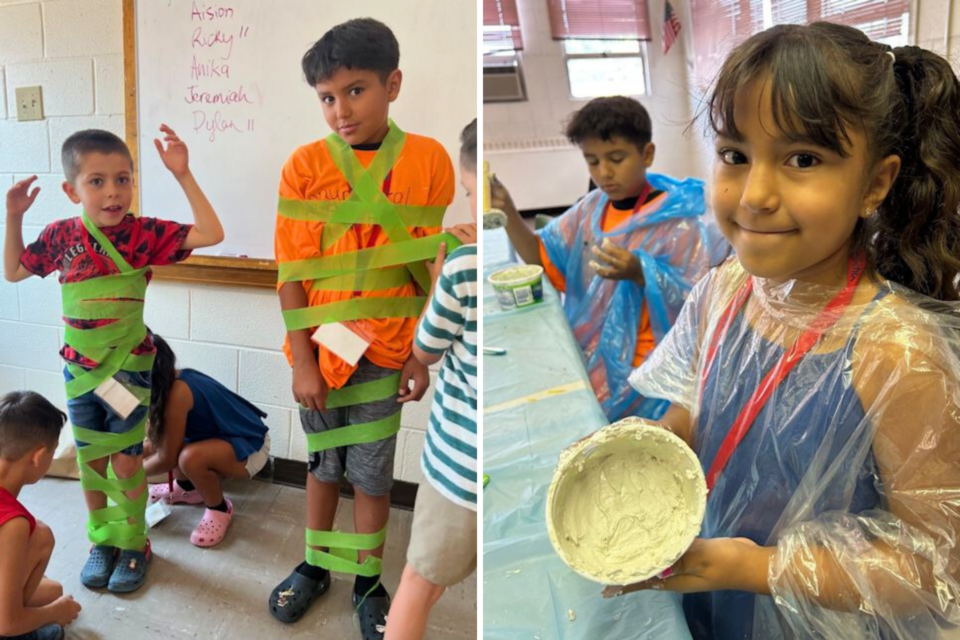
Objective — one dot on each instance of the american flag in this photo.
(671, 26)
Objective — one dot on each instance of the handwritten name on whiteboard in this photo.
(214, 92)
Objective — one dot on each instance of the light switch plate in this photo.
(29, 103)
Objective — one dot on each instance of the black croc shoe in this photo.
(293, 597)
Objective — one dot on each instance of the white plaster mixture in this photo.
(514, 275)
(625, 503)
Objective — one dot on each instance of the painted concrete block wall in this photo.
(73, 49)
(938, 28)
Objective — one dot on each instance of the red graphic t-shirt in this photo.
(62, 246)
(11, 508)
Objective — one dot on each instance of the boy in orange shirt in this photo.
(359, 213)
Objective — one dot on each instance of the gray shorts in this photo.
(369, 466)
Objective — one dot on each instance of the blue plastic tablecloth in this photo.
(528, 591)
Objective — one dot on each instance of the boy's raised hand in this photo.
(20, 197)
(175, 157)
(620, 264)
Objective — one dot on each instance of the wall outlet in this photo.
(29, 103)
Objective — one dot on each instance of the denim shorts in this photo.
(90, 412)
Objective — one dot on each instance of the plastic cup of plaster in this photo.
(625, 503)
(518, 286)
(494, 219)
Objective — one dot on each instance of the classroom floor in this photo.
(222, 592)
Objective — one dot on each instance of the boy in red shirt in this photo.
(32, 607)
(104, 258)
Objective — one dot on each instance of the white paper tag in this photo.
(157, 512)
(342, 341)
(118, 397)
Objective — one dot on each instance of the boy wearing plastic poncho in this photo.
(816, 375)
(626, 255)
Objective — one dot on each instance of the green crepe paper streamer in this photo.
(349, 212)
(376, 280)
(343, 547)
(110, 525)
(366, 204)
(354, 434)
(110, 346)
(356, 309)
(407, 253)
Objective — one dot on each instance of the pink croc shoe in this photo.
(177, 496)
(213, 526)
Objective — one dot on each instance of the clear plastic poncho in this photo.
(671, 242)
(851, 470)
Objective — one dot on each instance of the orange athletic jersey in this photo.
(422, 176)
(612, 218)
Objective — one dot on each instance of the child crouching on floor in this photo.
(32, 606)
(202, 432)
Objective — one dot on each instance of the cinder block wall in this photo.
(73, 49)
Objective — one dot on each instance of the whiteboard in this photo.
(247, 52)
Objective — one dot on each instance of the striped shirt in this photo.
(449, 459)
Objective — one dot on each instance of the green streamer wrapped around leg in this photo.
(122, 525)
(117, 298)
(342, 556)
(342, 547)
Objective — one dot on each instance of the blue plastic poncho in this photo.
(851, 468)
(671, 241)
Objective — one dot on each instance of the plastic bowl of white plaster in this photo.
(518, 286)
(625, 503)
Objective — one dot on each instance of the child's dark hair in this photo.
(362, 43)
(468, 146)
(826, 78)
(607, 118)
(162, 379)
(27, 421)
(90, 141)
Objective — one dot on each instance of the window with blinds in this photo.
(720, 25)
(604, 45)
(502, 42)
(501, 29)
(599, 19)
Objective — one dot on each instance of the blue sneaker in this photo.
(131, 571)
(96, 572)
(47, 632)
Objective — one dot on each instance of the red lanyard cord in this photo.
(641, 200)
(823, 322)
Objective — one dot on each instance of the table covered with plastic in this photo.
(537, 401)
